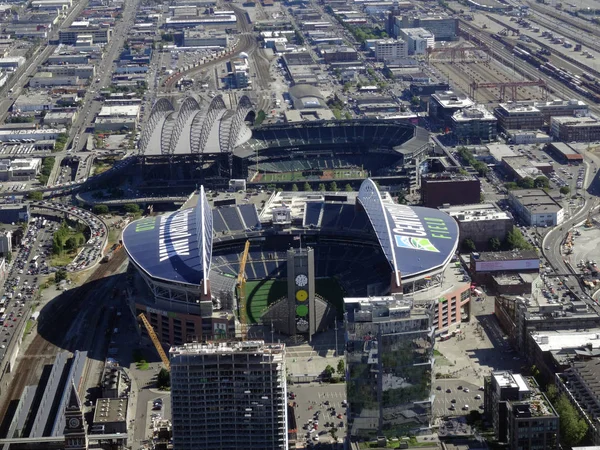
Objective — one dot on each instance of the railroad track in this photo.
(247, 44)
(53, 326)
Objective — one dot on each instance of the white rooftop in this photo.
(566, 339)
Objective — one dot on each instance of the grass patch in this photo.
(327, 175)
(412, 443)
(113, 237)
(29, 325)
(100, 168)
(440, 359)
(62, 260)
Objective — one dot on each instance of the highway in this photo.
(552, 242)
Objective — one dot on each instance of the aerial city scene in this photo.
(299, 224)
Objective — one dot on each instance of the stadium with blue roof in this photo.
(363, 242)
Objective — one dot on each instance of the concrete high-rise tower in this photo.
(229, 395)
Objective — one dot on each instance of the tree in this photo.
(333, 433)
(515, 240)
(541, 182)
(348, 188)
(100, 209)
(294, 187)
(321, 187)
(260, 117)
(163, 379)
(71, 243)
(573, 427)
(469, 245)
(61, 274)
(495, 244)
(526, 183)
(131, 208)
(35, 196)
(307, 187)
(328, 372)
(333, 187)
(341, 368)
(564, 190)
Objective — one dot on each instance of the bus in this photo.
(44, 223)
(35, 258)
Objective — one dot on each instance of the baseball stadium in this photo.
(360, 244)
(210, 143)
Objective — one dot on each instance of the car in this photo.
(466, 407)
(478, 397)
(466, 390)
(453, 400)
(439, 388)
(452, 408)
(448, 391)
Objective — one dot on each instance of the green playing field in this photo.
(328, 175)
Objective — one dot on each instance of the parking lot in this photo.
(456, 397)
(319, 408)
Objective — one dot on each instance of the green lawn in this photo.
(328, 175)
(262, 294)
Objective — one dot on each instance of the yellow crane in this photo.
(156, 342)
(241, 282)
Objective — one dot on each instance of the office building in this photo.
(559, 107)
(443, 105)
(474, 124)
(229, 395)
(390, 50)
(78, 30)
(578, 129)
(481, 222)
(418, 40)
(536, 207)
(438, 189)
(389, 362)
(443, 27)
(519, 116)
(521, 414)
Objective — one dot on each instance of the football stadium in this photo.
(213, 144)
(360, 244)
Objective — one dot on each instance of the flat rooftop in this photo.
(110, 410)
(571, 121)
(566, 339)
(536, 200)
(225, 348)
(507, 379)
(476, 212)
(506, 256)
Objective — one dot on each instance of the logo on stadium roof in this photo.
(415, 243)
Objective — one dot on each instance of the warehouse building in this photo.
(564, 153)
(19, 169)
(575, 129)
(536, 207)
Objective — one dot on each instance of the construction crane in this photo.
(241, 283)
(155, 341)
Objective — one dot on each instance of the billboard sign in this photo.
(515, 264)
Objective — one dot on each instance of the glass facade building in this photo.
(389, 363)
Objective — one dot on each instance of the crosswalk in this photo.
(332, 395)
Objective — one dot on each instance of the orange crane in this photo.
(156, 342)
(241, 282)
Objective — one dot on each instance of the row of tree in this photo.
(514, 240)
(64, 240)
